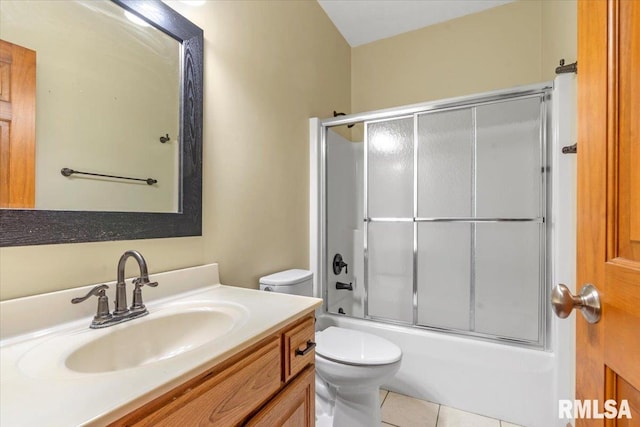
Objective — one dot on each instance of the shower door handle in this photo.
(587, 301)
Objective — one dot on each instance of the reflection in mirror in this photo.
(161, 102)
(107, 94)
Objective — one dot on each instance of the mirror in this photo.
(124, 75)
(130, 106)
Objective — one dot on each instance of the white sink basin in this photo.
(143, 342)
(163, 334)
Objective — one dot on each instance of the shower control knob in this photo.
(587, 301)
(339, 264)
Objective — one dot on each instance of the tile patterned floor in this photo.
(399, 410)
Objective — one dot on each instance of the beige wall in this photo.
(559, 35)
(269, 66)
(516, 44)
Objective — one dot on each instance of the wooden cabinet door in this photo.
(225, 399)
(17, 126)
(608, 352)
(292, 407)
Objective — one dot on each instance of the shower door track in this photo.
(486, 98)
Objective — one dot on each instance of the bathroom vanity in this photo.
(206, 354)
(272, 383)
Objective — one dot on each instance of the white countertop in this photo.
(53, 395)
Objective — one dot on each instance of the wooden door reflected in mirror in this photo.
(17, 126)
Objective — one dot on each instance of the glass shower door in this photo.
(480, 195)
(510, 256)
(447, 229)
(445, 190)
(389, 211)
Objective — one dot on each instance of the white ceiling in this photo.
(364, 21)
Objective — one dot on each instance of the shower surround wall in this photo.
(344, 181)
(518, 384)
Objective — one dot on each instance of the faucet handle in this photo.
(137, 305)
(97, 291)
(102, 313)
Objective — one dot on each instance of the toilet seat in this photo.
(353, 347)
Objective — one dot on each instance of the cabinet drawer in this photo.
(299, 352)
(230, 396)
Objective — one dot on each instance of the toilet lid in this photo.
(288, 277)
(355, 347)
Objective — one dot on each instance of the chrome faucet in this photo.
(121, 313)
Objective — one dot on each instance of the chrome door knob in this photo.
(587, 301)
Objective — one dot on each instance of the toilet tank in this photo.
(295, 282)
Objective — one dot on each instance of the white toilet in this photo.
(350, 365)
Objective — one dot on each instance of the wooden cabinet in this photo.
(293, 407)
(272, 383)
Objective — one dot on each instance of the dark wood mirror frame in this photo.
(24, 227)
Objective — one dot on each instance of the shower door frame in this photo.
(544, 92)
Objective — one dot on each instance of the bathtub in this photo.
(495, 380)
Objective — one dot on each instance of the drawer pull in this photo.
(310, 346)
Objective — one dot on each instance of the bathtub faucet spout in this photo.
(345, 286)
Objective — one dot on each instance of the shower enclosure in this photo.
(439, 212)
(452, 220)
